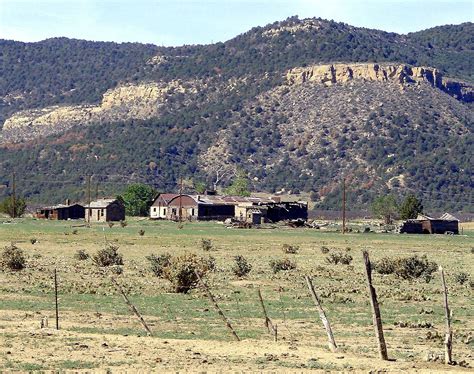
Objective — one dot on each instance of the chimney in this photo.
(67, 201)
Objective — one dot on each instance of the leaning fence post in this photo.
(377, 319)
(131, 306)
(56, 298)
(216, 306)
(322, 315)
(448, 340)
(268, 322)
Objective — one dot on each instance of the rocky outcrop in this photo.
(402, 74)
(130, 101)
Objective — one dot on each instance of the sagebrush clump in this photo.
(12, 258)
(241, 266)
(108, 256)
(81, 255)
(339, 258)
(181, 271)
(324, 250)
(206, 245)
(461, 277)
(282, 265)
(141, 232)
(290, 249)
(412, 267)
(158, 263)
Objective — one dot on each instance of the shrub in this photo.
(241, 266)
(108, 256)
(33, 241)
(211, 263)
(159, 263)
(13, 258)
(141, 232)
(407, 267)
(123, 223)
(81, 255)
(111, 224)
(324, 250)
(282, 264)
(385, 266)
(206, 244)
(461, 277)
(339, 258)
(74, 232)
(181, 271)
(290, 249)
(116, 269)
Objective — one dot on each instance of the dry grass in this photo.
(97, 330)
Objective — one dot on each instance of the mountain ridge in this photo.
(237, 111)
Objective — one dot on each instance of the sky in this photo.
(178, 22)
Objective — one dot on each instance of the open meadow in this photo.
(98, 331)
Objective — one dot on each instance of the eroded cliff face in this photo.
(402, 74)
(130, 101)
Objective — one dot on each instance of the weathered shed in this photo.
(61, 212)
(105, 210)
(423, 224)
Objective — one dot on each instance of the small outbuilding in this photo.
(105, 210)
(423, 224)
(61, 212)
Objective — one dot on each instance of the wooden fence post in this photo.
(131, 306)
(216, 306)
(322, 315)
(56, 298)
(448, 340)
(268, 322)
(377, 319)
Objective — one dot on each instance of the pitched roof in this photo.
(448, 217)
(423, 217)
(100, 203)
(167, 197)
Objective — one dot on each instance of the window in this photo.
(164, 212)
(154, 209)
(192, 212)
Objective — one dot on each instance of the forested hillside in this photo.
(230, 106)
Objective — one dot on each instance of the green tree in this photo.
(200, 187)
(137, 199)
(410, 207)
(239, 186)
(6, 206)
(385, 207)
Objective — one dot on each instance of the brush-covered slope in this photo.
(296, 104)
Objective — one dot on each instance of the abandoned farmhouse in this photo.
(213, 207)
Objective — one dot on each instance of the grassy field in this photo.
(99, 332)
